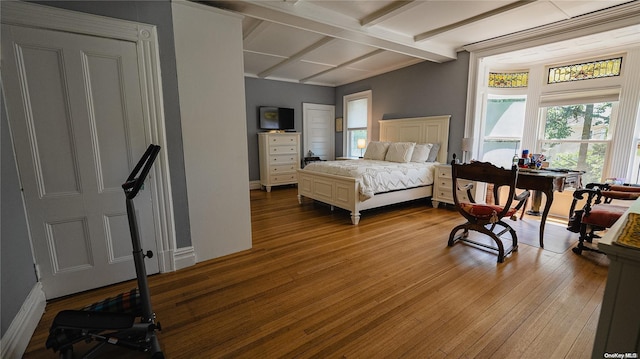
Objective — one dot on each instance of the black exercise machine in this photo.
(113, 320)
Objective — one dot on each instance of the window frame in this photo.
(627, 119)
(613, 118)
(368, 95)
(500, 92)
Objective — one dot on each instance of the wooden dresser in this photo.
(279, 158)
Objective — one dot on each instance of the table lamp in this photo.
(467, 148)
(362, 143)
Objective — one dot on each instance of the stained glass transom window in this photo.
(508, 79)
(585, 71)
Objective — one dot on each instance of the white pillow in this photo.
(400, 152)
(376, 150)
(421, 152)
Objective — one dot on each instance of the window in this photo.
(577, 137)
(567, 112)
(357, 120)
(503, 128)
(585, 71)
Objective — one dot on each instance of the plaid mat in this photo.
(127, 302)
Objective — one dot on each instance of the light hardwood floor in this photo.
(315, 286)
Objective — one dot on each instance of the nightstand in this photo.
(443, 188)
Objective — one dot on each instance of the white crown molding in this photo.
(614, 18)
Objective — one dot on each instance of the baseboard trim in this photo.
(184, 257)
(254, 185)
(16, 338)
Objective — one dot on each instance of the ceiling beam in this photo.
(342, 65)
(325, 40)
(305, 16)
(387, 12)
(429, 34)
(257, 27)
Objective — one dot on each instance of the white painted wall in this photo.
(210, 72)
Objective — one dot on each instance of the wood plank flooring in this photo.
(314, 286)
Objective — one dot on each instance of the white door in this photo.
(75, 111)
(318, 130)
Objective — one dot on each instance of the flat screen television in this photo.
(275, 118)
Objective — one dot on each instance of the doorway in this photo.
(80, 113)
(318, 130)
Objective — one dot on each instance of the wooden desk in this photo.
(547, 181)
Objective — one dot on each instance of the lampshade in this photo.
(467, 144)
(362, 143)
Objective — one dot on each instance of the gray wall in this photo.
(260, 92)
(420, 90)
(158, 13)
(17, 276)
(424, 89)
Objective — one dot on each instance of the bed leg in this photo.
(355, 218)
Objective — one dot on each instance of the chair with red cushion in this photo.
(482, 217)
(598, 212)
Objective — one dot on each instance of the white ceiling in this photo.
(337, 42)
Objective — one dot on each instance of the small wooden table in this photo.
(547, 181)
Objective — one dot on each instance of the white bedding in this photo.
(379, 176)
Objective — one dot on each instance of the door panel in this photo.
(75, 111)
(318, 130)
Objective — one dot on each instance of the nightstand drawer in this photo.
(444, 183)
(444, 195)
(443, 172)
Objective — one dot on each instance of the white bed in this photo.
(344, 192)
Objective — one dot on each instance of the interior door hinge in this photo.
(37, 270)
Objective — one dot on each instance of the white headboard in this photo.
(433, 129)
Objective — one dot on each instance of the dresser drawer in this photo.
(275, 150)
(282, 169)
(284, 178)
(282, 159)
(283, 140)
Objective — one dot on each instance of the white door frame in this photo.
(145, 36)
